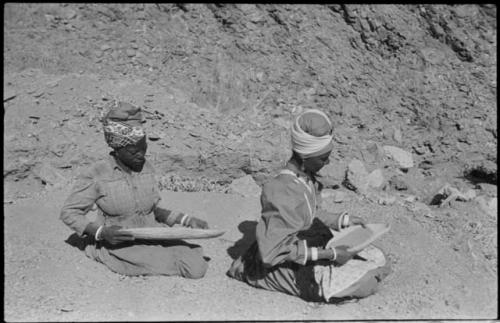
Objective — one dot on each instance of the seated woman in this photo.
(289, 253)
(126, 193)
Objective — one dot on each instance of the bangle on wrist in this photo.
(345, 220)
(334, 254)
(341, 221)
(98, 233)
(184, 220)
(314, 254)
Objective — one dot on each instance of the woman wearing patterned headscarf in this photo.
(126, 193)
(289, 253)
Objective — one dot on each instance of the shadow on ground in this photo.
(240, 246)
(76, 241)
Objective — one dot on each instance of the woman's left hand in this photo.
(196, 223)
(356, 220)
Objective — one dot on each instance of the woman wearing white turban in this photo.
(289, 253)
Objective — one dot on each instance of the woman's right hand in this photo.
(343, 255)
(113, 235)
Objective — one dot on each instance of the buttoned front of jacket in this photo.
(123, 197)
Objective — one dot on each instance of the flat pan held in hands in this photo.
(356, 237)
(173, 233)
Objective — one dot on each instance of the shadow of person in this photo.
(240, 246)
(78, 242)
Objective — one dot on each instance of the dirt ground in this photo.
(220, 85)
(54, 281)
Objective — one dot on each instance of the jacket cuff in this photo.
(305, 252)
(80, 226)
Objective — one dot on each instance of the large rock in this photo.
(376, 178)
(332, 174)
(400, 156)
(356, 176)
(245, 186)
(372, 153)
(335, 196)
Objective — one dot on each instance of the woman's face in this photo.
(133, 156)
(314, 164)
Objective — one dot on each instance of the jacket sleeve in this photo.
(80, 201)
(169, 217)
(284, 212)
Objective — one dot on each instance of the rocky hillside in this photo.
(411, 90)
(426, 72)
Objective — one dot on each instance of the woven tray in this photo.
(356, 237)
(172, 233)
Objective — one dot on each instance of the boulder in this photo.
(245, 186)
(372, 153)
(376, 178)
(356, 177)
(334, 195)
(403, 158)
(332, 174)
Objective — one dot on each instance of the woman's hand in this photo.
(113, 235)
(338, 221)
(342, 255)
(196, 223)
(353, 220)
(338, 255)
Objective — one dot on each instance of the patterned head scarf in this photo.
(122, 125)
(312, 134)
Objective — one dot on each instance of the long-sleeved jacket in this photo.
(288, 206)
(123, 198)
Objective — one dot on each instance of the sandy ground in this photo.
(46, 279)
